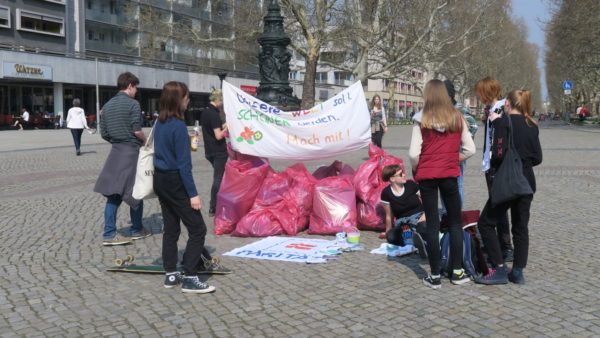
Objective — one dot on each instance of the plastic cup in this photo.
(354, 237)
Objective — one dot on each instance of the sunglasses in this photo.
(400, 174)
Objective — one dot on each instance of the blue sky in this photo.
(535, 13)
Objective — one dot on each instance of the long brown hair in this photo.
(373, 101)
(170, 101)
(521, 101)
(488, 89)
(438, 111)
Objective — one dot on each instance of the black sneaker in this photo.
(172, 279)
(419, 243)
(434, 283)
(494, 277)
(508, 255)
(211, 212)
(213, 267)
(194, 285)
(516, 276)
(460, 278)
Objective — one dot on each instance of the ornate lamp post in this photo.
(274, 62)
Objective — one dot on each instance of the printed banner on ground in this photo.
(289, 249)
(336, 126)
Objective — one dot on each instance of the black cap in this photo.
(450, 89)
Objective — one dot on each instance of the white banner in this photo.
(336, 126)
(289, 249)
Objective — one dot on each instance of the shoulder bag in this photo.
(509, 182)
(144, 175)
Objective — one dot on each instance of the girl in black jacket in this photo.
(526, 141)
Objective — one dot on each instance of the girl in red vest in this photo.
(440, 140)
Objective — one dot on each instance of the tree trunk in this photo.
(308, 86)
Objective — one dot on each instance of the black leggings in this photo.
(448, 189)
(218, 162)
(488, 221)
(502, 226)
(377, 137)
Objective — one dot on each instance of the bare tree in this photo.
(225, 32)
(573, 52)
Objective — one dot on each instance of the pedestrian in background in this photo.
(472, 128)
(489, 91)
(440, 140)
(76, 123)
(121, 125)
(174, 185)
(525, 137)
(215, 147)
(25, 120)
(378, 121)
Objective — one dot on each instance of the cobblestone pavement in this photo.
(53, 279)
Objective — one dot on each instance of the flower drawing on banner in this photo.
(249, 136)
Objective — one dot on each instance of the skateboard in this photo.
(126, 265)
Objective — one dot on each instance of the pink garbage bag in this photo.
(369, 184)
(299, 198)
(241, 183)
(264, 217)
(259, 222)
(371, 214)
(337, 168)
(367, 178)
(334, 206)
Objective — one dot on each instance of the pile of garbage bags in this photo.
(256, 201)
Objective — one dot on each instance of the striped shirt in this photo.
(120, 118)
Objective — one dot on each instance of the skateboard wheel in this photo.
(118, 262)
(130, 258)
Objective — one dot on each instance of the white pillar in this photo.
(58, 99)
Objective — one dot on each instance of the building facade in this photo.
(53, 51)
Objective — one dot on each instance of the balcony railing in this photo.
(205, 66)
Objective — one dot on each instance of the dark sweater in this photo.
(526, 141)
(172, 151)
(120, 119)
(210, 121)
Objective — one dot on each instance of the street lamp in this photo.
(222, 77)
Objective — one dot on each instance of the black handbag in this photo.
(509, 182)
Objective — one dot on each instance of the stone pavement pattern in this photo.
(53, 281)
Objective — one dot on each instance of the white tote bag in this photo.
(144, 175)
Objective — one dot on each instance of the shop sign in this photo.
(249, 89)
(27, 71)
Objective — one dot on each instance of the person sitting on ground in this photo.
(402, 202)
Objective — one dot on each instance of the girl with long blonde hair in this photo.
(440, 140)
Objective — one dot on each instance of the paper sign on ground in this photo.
(289, 249)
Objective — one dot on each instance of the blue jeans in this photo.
(459, 180)
(110, 216)
(76, 133)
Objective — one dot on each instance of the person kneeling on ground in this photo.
(402, 202)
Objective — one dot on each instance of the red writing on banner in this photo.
(300, 246)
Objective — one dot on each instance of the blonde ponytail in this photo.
(521, 101)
